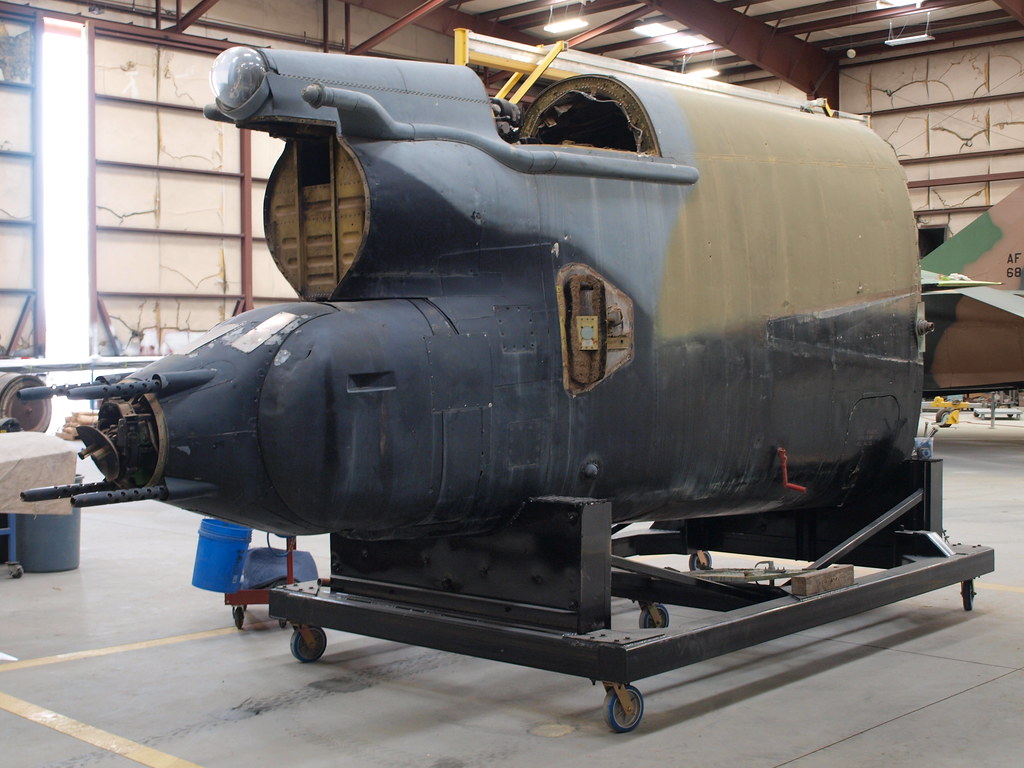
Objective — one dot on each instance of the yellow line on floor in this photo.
(61, 657)
(94, 736)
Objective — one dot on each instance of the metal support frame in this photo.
(480, 50)
(622, 656)
(865, 533)
(454, 593)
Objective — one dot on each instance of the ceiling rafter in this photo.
(597, 6)
(839, 22)
(191, 17)
(798, 63)
(1013, 7)
(615, 24)
(396, 27)
(445, 20)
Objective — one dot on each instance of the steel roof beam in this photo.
(541, 18)
(445, 20)
(192, 16)
(798, 63)
(1013, 7)
(399, 25)
(610, 26)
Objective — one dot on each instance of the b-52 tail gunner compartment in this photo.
(641, 301)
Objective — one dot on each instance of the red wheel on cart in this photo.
(238, 614)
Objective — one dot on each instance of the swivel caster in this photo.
(967, 593)
(308, 643)
(700, 561)
(653, 616)
(623, 707)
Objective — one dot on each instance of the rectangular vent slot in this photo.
(378, 381)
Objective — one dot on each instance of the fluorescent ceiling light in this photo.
(672, 37)
(923, 37)
(883, 4)
(703, 72)
(684, 41)
(653, 30)
(566, 25)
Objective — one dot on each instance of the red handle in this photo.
(784, 460)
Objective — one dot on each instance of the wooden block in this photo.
(822, 581)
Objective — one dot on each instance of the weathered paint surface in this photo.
(779, 221)
(769, 303)
(990, 248)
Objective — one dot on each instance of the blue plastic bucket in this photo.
(220, 555)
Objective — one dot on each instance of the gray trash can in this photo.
(48, 543)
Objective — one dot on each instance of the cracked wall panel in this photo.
(126, 69)
(183, 77)
(16, 51)
(126, 133)
(130, 197)
(958, 195)
(142, 263)
(959, 130)
(958, 75)
(1006, 119)
(957, 221)
(1006, 68)
(189, 140)
(192, 203)
(919, 198)
(902, 83)
(10, 311)
(162, 326)
(15, 188)
(906, 133)
(15, 257)
(267, 279)
(265, 152)
(127, 198)
(855, 90)
(15, 120)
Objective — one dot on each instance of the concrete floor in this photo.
(125, 645)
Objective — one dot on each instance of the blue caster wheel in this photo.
(309, 651)
(700, 561)
(616, 716)
(653, 616)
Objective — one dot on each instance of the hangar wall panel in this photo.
(169, 192)
(19, 241)
(954, 115)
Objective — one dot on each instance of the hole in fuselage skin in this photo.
(314, 162)
(584, 120)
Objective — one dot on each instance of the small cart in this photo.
(8, 528)
(261, 573)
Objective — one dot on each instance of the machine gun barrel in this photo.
(116, 387)
(64, 491)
